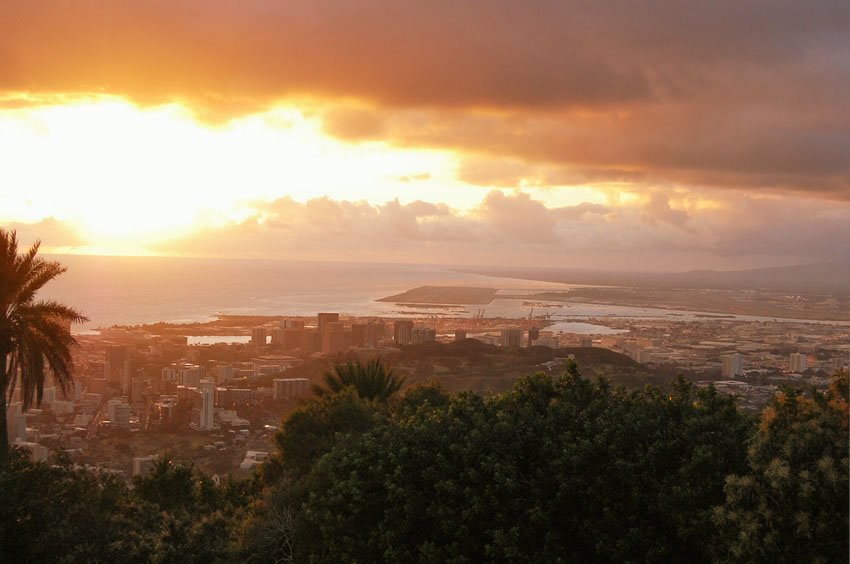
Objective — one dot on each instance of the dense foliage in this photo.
(55, 513)
(557, 470)
(791, 503)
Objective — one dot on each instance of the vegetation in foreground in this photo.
(35, 335)
(556, 470)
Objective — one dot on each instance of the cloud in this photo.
(514, 228)
(51, 232)
(666, 231)
(657, 209)
(729, 94)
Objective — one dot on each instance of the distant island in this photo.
(444, 295)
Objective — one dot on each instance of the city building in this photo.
(143, 464)
(358, 334)
(61, 407)
(189, 375)
(423, 335)
(511, 338)
(137, 390)
(403, 332)
(16, 422)
(90, 402)
(273, 363)
(276, 336)
(230, 397)
(204, 416)
(118, 413)
(290, 388)
(533, 335)
(114, 357)
(324, 318)
(223, 373)
(799, 362)
(258, 336)
(253, 458)
(333, 337)
(374, 333)
(732, 365)
(460, 334)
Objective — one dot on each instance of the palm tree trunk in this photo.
(4, 435)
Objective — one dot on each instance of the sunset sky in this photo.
(632, 135)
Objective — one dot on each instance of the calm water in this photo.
(137, 290)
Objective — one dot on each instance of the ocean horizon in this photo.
(114, 290)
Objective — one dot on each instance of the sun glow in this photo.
(126, 177)
(123, 173)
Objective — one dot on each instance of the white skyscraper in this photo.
(205, 420)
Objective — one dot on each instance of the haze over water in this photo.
(140, 290)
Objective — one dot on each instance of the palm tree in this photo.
(373, 381)
(34, 335)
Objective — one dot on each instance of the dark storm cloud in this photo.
(734, 94)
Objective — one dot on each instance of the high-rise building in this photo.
(276, 334)
(127, 374)
(311, 341)
(403, 332)
(118, 413)
(799, 362)
(374, 332)
(732, 365)
(333, 337)
(223, 373)
(169, 374)
(205, 413)
(292, 324)
(258, 336)
(114, 356)
(358, 334)
(511, 338)
(292, 338)
(533, 335)
(323, 318)
(137, 390)
(189, 375)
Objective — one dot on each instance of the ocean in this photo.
(139, 290)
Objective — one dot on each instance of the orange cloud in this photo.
(730, 94)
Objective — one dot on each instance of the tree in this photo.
(556, 470)
(373, 381)
(791, 504)
(32, 333)
(312, 430)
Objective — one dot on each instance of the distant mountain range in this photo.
(820, 278)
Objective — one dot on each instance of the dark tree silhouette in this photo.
(34, 335)
(373, 380)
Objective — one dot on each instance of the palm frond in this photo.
(372, 381)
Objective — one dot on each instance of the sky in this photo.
(658, 135)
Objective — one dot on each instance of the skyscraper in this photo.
(403, 332)
(733, 365)
(799, 362)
